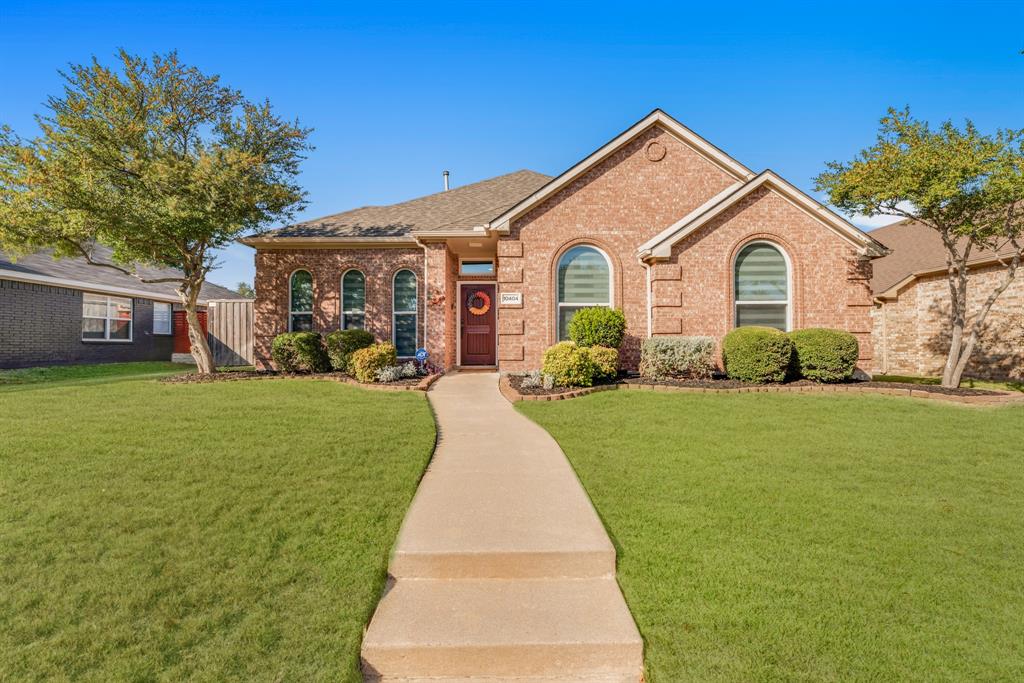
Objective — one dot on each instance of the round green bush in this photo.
(299, 352)
(605, 360)
(342, 343)
(367, 362)
(757, 354)
(598, 326)
(569, 365)
(825, 355)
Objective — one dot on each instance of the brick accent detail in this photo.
(509, 350)
(665, 271)
(510, 248)
(510, 270)
(275, 266)
(510, 326)
(912, 337)
(666, 325)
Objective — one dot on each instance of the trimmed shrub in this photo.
(367, 362)
(662, 357)
(757, 354)
(391, 373)
(605, 360)
(569, 365)
(299, 352)
(342, 343)
(825, 355)
(598, 326)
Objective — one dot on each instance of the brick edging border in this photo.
(423, 385)
(1004, 398)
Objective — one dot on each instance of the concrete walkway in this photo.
(502, 570)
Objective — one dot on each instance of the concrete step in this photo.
(532, 629)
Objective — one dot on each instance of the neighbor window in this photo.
(477, 267)
(106, 318)
(403, 317)
(584, 280)
(300, 312)
(161, 318)
(762, 286)
(353, 300)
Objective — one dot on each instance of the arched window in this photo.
(353, 300)
(584, 280)
(762, 286)
(300, 302)
(403, 313)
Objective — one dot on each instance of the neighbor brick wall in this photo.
(626, 200)
(617, 205)
(42, 325)
(275, 266)
(912, 337)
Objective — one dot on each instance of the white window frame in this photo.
(558, 295)
(341, 301)
(788, 301)
(170, 319)
(291, 312)
(106, 324)
(494, 267)
(415, 312)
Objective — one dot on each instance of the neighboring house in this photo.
(658, 222)
(58, 311)
(911, 324)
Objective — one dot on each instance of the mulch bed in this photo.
(231, 376)
(725, 383)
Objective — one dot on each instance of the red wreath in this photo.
(478, 303)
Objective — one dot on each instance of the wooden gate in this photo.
(230, 331)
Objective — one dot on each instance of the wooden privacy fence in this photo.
(229, 331)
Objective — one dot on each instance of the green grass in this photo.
(967, 383)
(227, 531)
(800, 537)
(99, 372)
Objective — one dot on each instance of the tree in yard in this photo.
(246, 290)
(156, 160)
(967, 186)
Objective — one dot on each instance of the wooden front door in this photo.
(478, 315)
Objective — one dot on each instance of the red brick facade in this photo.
(631, 196)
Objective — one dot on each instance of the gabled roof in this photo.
(459, 210)
(916, 250)
(501, 222)
(660, 246)
(76, 273)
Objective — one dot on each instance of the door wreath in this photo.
(478, 303)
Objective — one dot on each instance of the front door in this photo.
(477, 324)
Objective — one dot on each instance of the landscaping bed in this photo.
(421, 383)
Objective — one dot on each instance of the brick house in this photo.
(60, 311)
(658, 222)
(911, 329)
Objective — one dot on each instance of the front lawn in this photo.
(226, 531)
(809, 537)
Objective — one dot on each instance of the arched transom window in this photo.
(762, 286)
(300, 302)
(353, 300)
(403, 320)
(584, 280)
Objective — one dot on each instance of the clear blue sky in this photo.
(397, 93)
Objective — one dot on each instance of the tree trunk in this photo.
(189, 293)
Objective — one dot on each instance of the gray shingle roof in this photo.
(43, 263)
(461, 208)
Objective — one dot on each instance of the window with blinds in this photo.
(762, 287)
(584, 280)
(353, 300)
(404, 313)
(161, 318)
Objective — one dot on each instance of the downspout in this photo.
(647, 268)
(426, 290)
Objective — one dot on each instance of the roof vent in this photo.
(445, 174)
